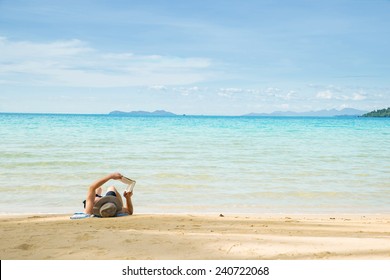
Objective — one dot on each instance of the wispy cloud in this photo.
(74, 63)
(359, 96)
(327, 94)
(344, 95)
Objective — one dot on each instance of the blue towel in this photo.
(80, 215)
(120, 214)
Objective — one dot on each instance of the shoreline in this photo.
(196, 237)
(215, 214)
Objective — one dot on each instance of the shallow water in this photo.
(197, 164)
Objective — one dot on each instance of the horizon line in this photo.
(149, 113)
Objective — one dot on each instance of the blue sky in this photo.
(193, 57)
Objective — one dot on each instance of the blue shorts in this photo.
(110, 193)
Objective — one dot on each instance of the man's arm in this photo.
(92, 190)
(129, 204)
(97, 184)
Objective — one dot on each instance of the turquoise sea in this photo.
(197, 164)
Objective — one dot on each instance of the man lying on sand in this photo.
(109, 205)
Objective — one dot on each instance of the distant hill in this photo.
(157, 113)
(384, 113)
(321, 113)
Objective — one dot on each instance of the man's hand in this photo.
(127, 194)
(129, 204)
(116, 176)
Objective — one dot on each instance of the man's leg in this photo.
(99, 191)
(113, 189)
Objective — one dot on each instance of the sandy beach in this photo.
(198, 236)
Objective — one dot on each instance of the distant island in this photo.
(157, 113)
(322, 113)
(384, 113)
(347, 112)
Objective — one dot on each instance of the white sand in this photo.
(196, 237)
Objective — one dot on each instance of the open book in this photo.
(129, 182)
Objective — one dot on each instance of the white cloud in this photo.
(185, 91)
(232, 90)
(327, 94)
(228, 92)
(272, 91)
(73, 63)
(290, 95)
(158, 88)
(285, 106)
(22, 50)
(358, 97)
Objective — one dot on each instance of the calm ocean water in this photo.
(197, 164)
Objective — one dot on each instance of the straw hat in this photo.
(107, 206)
